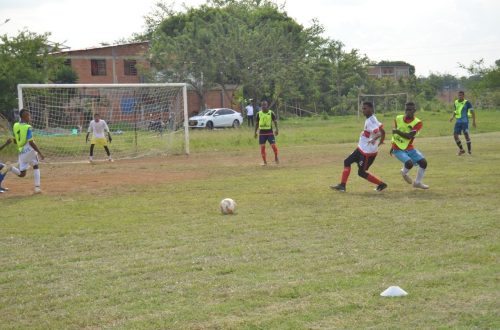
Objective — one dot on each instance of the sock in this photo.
(263, 152)
(459, 144)
(345, 175)
(469, 146)
(36, 174)
(420, 175)
(373, 179)
(405, 170)
(15, 170)
(275, 149)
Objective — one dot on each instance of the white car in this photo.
(220, 117)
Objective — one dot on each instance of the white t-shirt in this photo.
(249, 110)
(98, 129)
(372, 129)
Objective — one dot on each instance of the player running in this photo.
(406, 127)
(27, 148)
(370, 139)
(463, 110)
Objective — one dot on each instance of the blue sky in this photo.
(433, 35)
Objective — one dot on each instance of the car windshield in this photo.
(204, 112)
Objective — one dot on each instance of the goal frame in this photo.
(184, 96)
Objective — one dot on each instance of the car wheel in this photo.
(236, 123)
(210, 125)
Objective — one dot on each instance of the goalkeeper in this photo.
(99, 129)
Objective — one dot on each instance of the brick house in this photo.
(391, 71)
(123, 63)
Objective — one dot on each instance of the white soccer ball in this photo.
(227, 206)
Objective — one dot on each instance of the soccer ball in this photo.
(227, 206)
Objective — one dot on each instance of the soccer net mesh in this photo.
(144, 119)
(384, 103)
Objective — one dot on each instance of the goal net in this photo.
(144, 119)
(384, 103)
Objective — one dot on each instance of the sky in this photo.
(435, 36)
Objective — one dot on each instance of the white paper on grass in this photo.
(394, 291)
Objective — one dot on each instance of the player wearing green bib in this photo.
(28, 150)
(463, 111)
(406, 127)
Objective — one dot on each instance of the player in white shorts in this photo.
(28, 150)
(99, 128)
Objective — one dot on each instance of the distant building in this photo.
(122, 64)
(390, 71)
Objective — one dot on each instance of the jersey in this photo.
(371, 130)
(415, 129)
(272, 118)
(98, 129)
(466, 108)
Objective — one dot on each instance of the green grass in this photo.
(295, 256)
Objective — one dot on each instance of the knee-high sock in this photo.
(345, 175)
(373, 179)
(459, 144)
(263, 152)
(275, 149)
(469, 145)
(15, 170)
(36, 174)
(420, 175)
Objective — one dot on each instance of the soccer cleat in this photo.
(420, 185)
(460, 152)
(276, 160)
(264, 163)
(470, 152)
(2, 190)
(381, 186)
(110, 160)
(406, 177)
(38, 190)
(339, 187)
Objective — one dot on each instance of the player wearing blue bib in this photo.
(463, 111)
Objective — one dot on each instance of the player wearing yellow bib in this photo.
(28, 150)
(99, 128)
(463, 110)
(264, 125)
(406, 127)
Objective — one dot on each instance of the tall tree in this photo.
(25, 58)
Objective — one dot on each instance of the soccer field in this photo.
(141, 244)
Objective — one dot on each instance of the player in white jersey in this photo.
(99, 129)
(371, 137)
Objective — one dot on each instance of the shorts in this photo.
(270, 138)
(405, 155)
(363, 161)
(99, 141)
(461, 127)
(27, 159)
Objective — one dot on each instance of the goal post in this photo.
(144, 119)
(384, 102)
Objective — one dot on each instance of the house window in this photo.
(67, 62)
(98, 67)
(130, 67)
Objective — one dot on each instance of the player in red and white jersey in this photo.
(371, 137)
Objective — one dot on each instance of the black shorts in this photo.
(363, 161)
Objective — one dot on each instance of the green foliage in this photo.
(26, 58)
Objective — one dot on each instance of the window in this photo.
(130, 67)
(98, 67)
(67, 62)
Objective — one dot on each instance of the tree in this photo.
(25, 58)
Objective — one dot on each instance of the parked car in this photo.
(212, 118)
